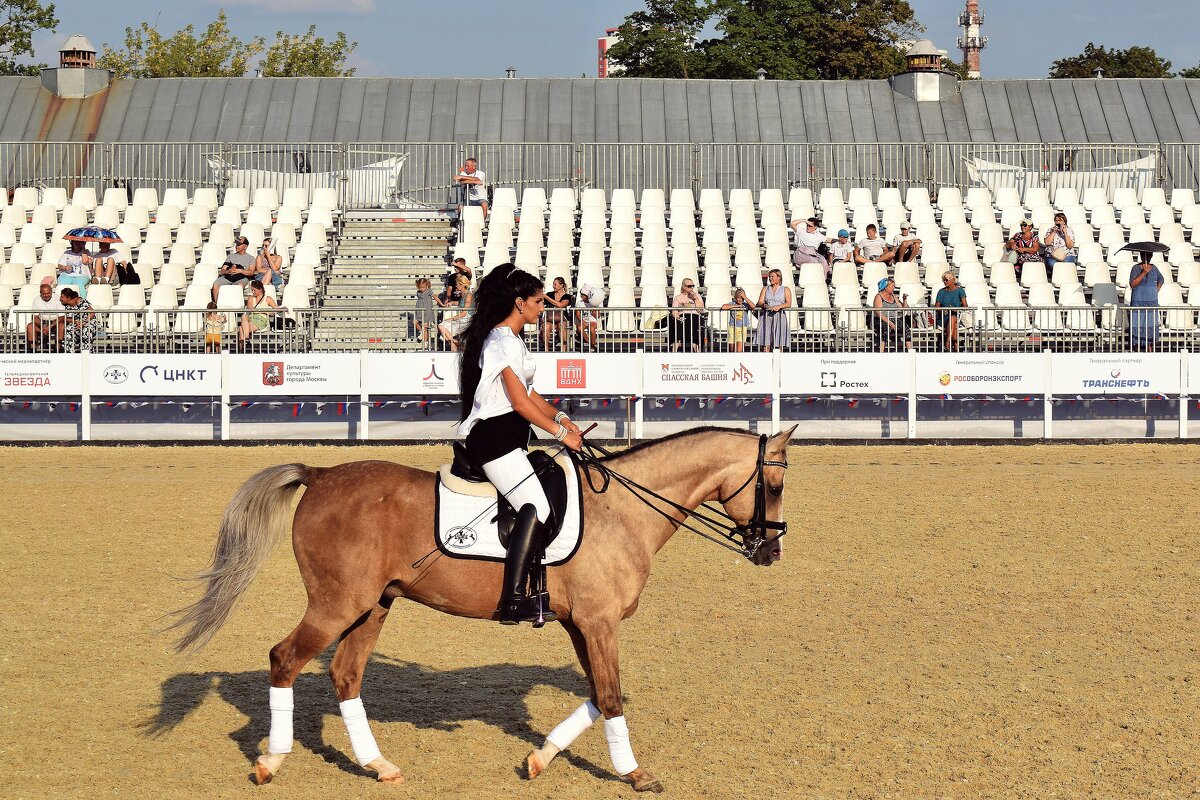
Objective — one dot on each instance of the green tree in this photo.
(216, 53)
(1135, 62)
(959, 68)
(1190, 72)
(308, 55)
(660, 42)
(19, 21)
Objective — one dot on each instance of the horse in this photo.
(362, 531)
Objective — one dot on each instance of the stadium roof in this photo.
(589, 110)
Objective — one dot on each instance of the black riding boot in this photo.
(515, 606)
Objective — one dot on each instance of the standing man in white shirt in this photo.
(472, 180)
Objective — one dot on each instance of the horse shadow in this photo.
(396, 691)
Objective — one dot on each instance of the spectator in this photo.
(739, 310)
(587, 322)
(1144, 282)
(951, 295)
(907, 245)
(424, 319)
(74, 268)
(807, 243)
(1025, 245)
(459, 300)
(890, 320)
(555, 323)
(686, 329)
(773, 329)
(841, 249)
(459, 267)
(873, 250)
(105, 262)
(471, 181)
(238, 268)
(268, 266)
(256, 319)
(46, 329)
(1059, 242)
(81, 326)
(214, 323)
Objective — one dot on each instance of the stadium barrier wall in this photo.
(358, 385)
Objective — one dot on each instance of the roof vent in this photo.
(76, 75)
(925, 80)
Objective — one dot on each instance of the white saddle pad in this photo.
(465, 513)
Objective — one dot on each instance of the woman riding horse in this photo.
(499, 408)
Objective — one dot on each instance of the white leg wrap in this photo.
(617, 733)
(361, 740)
(280, 740)
(569, 729)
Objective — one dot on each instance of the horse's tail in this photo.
(254, 521)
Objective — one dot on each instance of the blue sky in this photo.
(557, 38)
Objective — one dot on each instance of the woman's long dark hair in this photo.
(494, 300)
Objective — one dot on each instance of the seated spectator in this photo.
(81, 326)
(238, 268)
(740, 309)
(951, 296)
(458, 299)
(268, 266)
(889, 322)
(587, 322)
(808, 242)
(459, 267)
(686, 329)
(74, 268)
(255, 319)
(1025, 244)
(873, 250)
(841, 249)
(556, 323)
(45, 332)
(1058, 242)
(907, 245)
(104, 264)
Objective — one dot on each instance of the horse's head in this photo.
(759, 499)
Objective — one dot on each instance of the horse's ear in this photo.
(783, 437)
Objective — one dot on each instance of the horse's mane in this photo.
(675, 436)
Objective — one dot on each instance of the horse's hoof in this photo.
(391, 777)
(262, 773)
(534, 765)
(643, 781)
(386, 771)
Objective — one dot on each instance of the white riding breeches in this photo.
(513, 476)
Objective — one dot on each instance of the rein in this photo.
(745, 540)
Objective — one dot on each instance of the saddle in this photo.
(548, 473)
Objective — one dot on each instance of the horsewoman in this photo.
(499, 410)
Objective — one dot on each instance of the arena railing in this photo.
(1017, 329)
(425, 177)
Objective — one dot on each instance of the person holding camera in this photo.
(1059, 242)
(686, 318)
(890, 319)
(268, 266)
(238, 268)
(1025, 245)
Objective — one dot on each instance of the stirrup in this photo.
(527, 609)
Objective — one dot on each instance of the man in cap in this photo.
(587, 322)
(906, 244)
(238, 268)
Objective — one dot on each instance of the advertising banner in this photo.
(412, 373)
(1116, 373)
(594, 373)
(980, 374)
(707, 373)
(845, 373)
(130, 374)
(45, 375)
(294, 374)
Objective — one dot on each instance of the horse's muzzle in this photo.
(768, 552)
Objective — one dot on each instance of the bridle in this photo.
(745, 539)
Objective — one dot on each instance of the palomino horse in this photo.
(361, 530)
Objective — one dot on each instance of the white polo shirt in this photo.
(475, 191)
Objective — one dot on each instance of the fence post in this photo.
(697, 181)
(930, 155)
(85, 399)
(343, 160)
(811, 177)
(912, 394)
(1048, 397)
(1184, 393)
(1160, 176)
(639, 400)
(364, 399)
(225, 395)
(577, 162)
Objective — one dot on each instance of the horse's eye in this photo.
(776, 490)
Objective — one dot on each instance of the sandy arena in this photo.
(947, 622)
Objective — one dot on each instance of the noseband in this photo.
(745, 539)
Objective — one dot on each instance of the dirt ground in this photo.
(947, 622)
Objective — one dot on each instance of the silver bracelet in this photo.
(560, 416)
(562, 433)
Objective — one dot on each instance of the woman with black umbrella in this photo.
(1144, 282)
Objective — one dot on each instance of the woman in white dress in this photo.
(499, 410)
